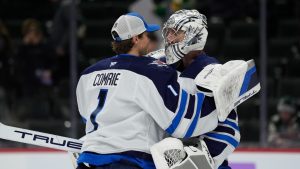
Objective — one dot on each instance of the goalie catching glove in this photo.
(171, 154)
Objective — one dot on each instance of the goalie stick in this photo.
(40, 139)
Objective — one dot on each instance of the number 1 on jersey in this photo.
(101, 100)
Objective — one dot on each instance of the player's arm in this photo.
(186, 115)
(179, 113)
(80, 97)
(224, 139)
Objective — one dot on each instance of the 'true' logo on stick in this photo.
(50, 140)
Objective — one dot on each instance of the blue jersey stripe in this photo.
(176, 120)
(104, 159)
(200, 98)
(247, 80)
(225, 138)
(232, 124)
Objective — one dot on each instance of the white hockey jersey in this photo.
(128, 103)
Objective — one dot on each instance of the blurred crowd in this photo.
(34, 55)
(284, 127)
(35, 65)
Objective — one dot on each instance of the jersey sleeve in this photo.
(224, 139)
(176, 111)
(80, 98)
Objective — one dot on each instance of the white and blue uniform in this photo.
(223, 140)
(130, 102)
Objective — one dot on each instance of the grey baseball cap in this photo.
(129, 25)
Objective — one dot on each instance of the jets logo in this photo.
(158, 63)
(112, 64)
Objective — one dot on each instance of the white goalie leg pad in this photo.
(170, 154)
(225, 82)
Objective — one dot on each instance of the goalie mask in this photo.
(184, 31)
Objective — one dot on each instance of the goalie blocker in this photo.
(171, 154)
(231, 84)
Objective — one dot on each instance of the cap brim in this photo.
(152, 28)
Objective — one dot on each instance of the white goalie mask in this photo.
(191, 26)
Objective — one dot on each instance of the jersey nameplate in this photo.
(104, 79)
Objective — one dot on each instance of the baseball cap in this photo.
(130, 25)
